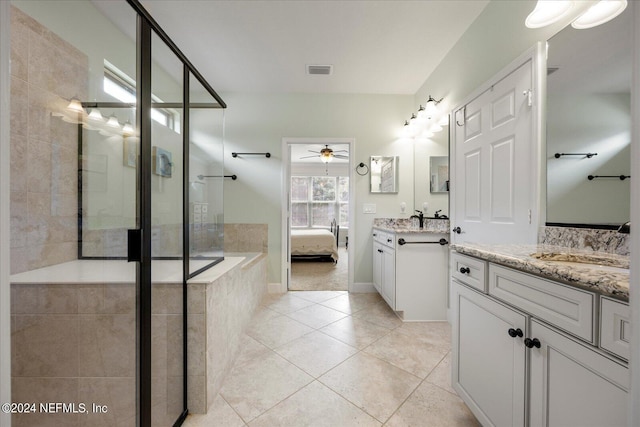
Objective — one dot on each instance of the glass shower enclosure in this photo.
(120, 140)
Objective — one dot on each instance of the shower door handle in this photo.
(134, 245)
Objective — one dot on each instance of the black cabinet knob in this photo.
(465, 270)
(515, 332)
(457, 230)
(530, 343)
(374, 234)
(380, 250)
(389, 240)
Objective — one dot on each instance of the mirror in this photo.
(589, 124)
(424, 150)
(384, 174)
(439, 173)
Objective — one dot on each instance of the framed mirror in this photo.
(384, 174)
(589, 124)
(439, 174)
(424, 150)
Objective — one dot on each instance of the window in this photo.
(317, 200)
(117, 84)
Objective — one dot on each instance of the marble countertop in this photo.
(609, 277)
(403, 225)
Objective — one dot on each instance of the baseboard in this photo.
(275, 288)
(362, 288)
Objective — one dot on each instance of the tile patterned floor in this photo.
(330, 358)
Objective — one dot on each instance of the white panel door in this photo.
(495, 177)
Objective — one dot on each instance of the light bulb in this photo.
(547, 12)
(601, 12)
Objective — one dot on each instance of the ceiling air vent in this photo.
(319, 69)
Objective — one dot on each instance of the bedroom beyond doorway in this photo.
(318, 210)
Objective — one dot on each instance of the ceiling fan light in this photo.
(599, 13)
(547, 12)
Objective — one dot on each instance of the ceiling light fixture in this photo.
(599, 13)
(548, 12)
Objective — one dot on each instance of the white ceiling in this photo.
(377, 47)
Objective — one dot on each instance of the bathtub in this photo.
(73, 334)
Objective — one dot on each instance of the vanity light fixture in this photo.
(599, 13)
(75, 106)
(431, 107)
(113, 122)
(547, 12)
(127, 129)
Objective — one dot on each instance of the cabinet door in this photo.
(389, 276)
(573, 384)
(377, 266)
(488, 364)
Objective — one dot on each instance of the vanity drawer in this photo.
(383, 237)
(566, 307)
(470, 271)
(615, 327)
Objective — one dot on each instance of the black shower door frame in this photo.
(146, 27)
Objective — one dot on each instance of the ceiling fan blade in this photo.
(308, 157)
(311, 151)
(340, 156)
(340, 151)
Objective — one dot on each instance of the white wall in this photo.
(258, 122)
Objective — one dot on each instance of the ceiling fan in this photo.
(327, 154)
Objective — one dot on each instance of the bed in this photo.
(315, 243)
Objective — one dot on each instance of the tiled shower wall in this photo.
(46, 72)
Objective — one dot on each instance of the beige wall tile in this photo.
(44, 345)
(19, 163)
(19, 116)
(118, 394)
(120, 298)
(106, 345)
(44, 299)
(44, 390)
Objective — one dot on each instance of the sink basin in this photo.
(601, 260)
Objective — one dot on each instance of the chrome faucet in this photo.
(625, 228)
(420, 218)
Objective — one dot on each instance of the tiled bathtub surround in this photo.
(75, 342)
(585, 238)
(246, 238)
(403, 225)
(46, 72)
(220, 309)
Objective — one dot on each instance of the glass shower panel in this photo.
(73, 196)
(206, 178)
(167, 322)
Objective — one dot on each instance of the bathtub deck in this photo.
(120, 271)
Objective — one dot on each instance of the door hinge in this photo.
(529, 94)
(529, 216)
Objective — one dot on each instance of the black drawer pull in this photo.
(530, 343)
(465, 270)
(515, 332)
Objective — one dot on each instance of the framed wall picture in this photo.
(130, 152)
(162, 163)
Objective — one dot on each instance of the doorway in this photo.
(317, 213)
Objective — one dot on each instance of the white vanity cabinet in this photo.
(489, 371)
(384, 266)
(410, 273)
(523, 327)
